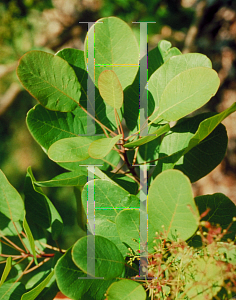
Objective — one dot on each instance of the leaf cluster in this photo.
(88, 140)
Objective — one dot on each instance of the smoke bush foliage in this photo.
(191, 252)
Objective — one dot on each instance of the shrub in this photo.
(190, 252)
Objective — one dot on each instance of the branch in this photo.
(194, 28)
(8, 98)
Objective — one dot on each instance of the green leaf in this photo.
(222, 211)
(30, 239)
(124, 181)
(193, 163)
(47, 127)
(208, 125)
(131, 93)
(32, 294)
(49, 79)
(100, 148)
(146, 139)
(70, 149)
(67, 274)
(11, 291)
(109, 262)
(75, 178)
(196, 165)
(110, 199)
(155, 60)
(128, 227)
(6, 271)
(11, 205)
(126, 289)
(49, 292)
(40, 209)
(103, 113)
(116, 49)
(166, 51)
(187, 92)
(169, 70)
(110, 88)
(171, 207)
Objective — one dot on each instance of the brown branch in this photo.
(14, 245)
(6, 69)
(8, 98)
(194, 28)
(36, 267)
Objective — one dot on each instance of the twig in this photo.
(27, 251)
(8, 98)
(5, 69)
(14, 245)
(135, 155)
(122, 131)
(9, 255)
(103, 126)
(39, 265)
(194, 28)
(51, 247)
(117, 125)
(7, 244)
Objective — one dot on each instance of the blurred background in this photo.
(204, 26)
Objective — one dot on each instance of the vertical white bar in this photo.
(143, 265)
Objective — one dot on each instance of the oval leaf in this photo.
(187, 92)
(110, 88)
(171, 205)
(47, 127)
(110, 199)
(109, 262)
(50, 79)
(174, 66)
(127, 224)
(70, 149)
(75, 178)
(222, 211)
(121, 53)
(126, 290)
(67, 274)
(100, 148)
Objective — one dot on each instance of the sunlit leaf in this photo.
(126, 289)
(171, 206)
(32, 294)
(116, 49)
(6, 271)
(109, 262)
(100, 148)
(11, 204)
(56, 90)
(70, 149)
(146, 139)
(110, 88)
